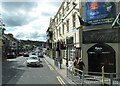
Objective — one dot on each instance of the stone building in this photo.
(97, 44)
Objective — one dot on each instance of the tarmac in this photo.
(62, 71)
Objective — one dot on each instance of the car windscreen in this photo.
(33, 58)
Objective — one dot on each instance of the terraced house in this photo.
(84, 29)
(2, 28)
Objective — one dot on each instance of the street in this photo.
(15, 71)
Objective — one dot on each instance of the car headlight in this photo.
(28, 62)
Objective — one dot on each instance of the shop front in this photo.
(101, 55)
(101, 48)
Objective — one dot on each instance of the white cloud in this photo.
(38, 19)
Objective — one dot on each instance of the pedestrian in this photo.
(81, 65)
(70, 65)
(75, 65)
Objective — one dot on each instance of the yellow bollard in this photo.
(103, 76)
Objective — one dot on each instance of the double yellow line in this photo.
(51, 68)
(58, 77)
(61, 81)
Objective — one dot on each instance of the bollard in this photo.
(82, 78)
(60, 66)
(111, 79)
(103, 76)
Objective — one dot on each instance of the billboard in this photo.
(100, 12)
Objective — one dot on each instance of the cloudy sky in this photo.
(28, 20)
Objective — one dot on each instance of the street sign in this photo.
(116, 22)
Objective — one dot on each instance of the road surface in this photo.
(15, 71)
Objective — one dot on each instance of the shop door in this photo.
(101, 55)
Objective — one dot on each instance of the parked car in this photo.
(11, 55)
(33, 60)
(40, 54)
(33, 53)
(20, 54)
(26, 54)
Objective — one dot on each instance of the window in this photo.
(59, 30)
(57, 33)
(63, 11)
(68, 5)
(63, 28)
(57, 21)
(73, 20)
(68, 25)
(59, 16)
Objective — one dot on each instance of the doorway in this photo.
(101, 55)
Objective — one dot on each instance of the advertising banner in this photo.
(100, 12)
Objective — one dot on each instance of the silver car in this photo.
(33, 60)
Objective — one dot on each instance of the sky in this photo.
(28, 20)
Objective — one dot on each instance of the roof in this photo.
(10, 37)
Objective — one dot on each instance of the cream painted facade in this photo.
(61, 19)
(66, 25)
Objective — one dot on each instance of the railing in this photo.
(93, 78)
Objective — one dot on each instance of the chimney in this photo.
(10, 34)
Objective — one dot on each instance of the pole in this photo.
(103, 76)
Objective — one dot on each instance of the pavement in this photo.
(62, 71)
(89, 80)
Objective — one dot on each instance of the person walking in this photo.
(75, 65)
(81, 65)
(70, 65)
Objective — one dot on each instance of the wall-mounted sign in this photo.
(116, 21)
(74, 29)
(98, 48)
(100, 12)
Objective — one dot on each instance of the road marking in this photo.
(24, 62)
(51, 68)
(46, 61)
(61, 81)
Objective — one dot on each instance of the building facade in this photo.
(97, 44)
(10, 45)
(101, 42)
(65, 27)
(2, 28)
